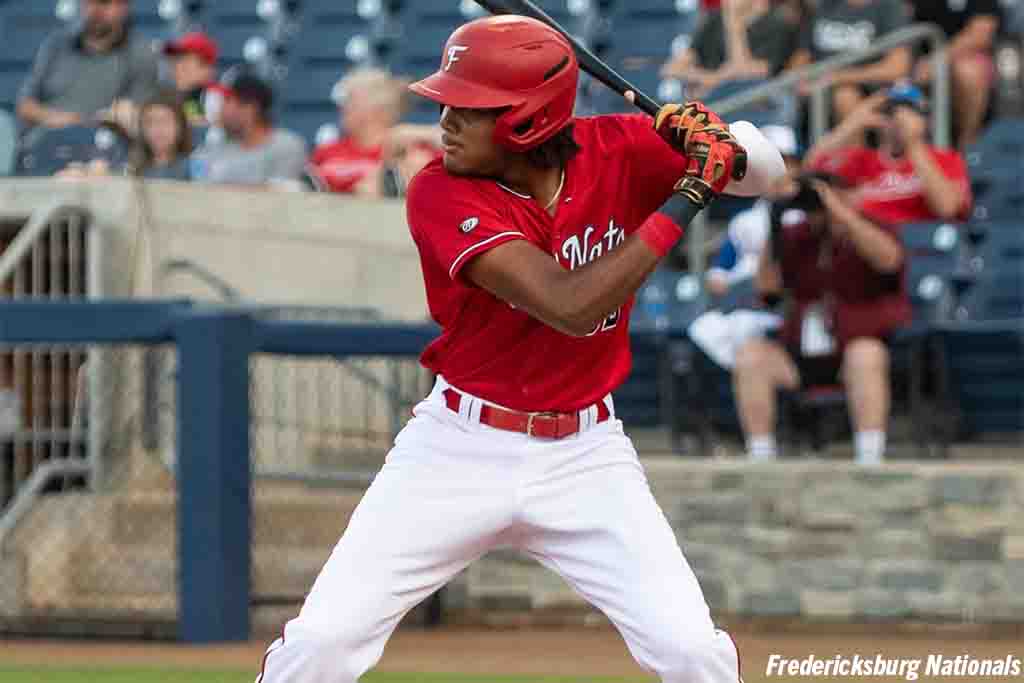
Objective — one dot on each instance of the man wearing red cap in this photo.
(194, 66)
(534, 231)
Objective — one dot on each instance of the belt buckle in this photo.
(529, 420)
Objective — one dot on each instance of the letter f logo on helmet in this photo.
(453, 55)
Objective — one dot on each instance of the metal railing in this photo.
(48, 433)
(820, 104)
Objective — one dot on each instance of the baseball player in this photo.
(534, 231)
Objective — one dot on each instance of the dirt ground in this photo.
(580, 652)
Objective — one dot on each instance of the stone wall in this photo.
(814, 542)
(930, 542)
(274, 247)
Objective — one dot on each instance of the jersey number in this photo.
(608, 323)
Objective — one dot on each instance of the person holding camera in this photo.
(836, 250)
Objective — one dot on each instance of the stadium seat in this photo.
(1003, 200)
(991, 295)
(1000, 147)
(666, 305)
(234, 11)
(982, 372)
(55, 149)
(10, 84)
(8, 141)
(307, 121)
(311, 81)
(21, 35)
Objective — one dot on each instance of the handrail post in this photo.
(941, 134)
(819, 113)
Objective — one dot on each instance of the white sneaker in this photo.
(10, 412)
(872, 460)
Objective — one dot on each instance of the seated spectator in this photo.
(255, 152)
(375, 157)
(840, 26)
(747, 39)
(836, 249)
(971, 27)
(164, 139)
(748, 230)
(95, 71)
(194, 67)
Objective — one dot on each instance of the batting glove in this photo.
(713, 159)
(675, 122)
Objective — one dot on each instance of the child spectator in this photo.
(193, 59)
(164, 139)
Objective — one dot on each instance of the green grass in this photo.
(47, 675)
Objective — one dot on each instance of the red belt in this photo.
(544, 425)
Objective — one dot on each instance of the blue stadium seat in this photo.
(307, 120)
(982, 372)
(992, 295)
(8, 141)
(1000, 147)
(57, 148)
(234, 11)
(310, 81)
(21, 35)
(10, 84)
(931, 237)
(1001, 202)
(419, 52)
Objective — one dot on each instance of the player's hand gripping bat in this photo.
(672, 125)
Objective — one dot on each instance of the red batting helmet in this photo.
(508, 61)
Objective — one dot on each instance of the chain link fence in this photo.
(97, 552)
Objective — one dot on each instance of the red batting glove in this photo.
(713, 159)
(676, 122)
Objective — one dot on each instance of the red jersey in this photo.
(888, 190)
(858, 301)
(344, 164)
(623, 173)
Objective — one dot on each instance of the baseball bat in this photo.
(588, 61)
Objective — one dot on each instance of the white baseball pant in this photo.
(451, 490)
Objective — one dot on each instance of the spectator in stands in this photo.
(255, 152)
(164, 139)
(747, 39)
(376, 157)
(839, 254)
(94, 71)
(748, 230)
(840, 26)
(193, 59)
(971, 27)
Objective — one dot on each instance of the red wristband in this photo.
(660, 233)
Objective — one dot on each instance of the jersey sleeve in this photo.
(451, 221)
(852, 164)
(655, 166)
